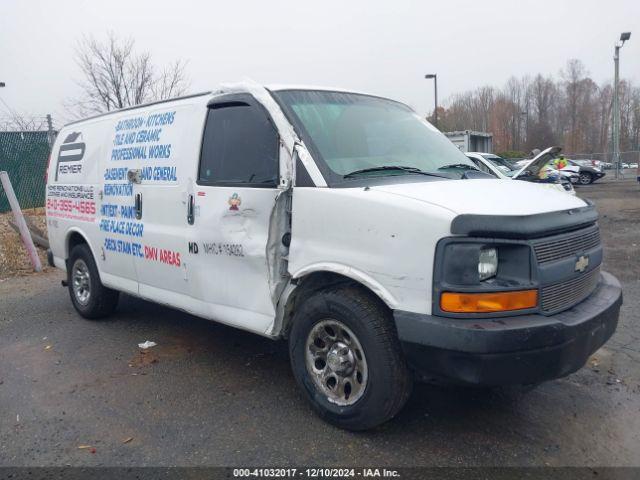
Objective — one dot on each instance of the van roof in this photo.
(274, 88)
(142, 105)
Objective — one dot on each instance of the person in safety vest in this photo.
(550, 171)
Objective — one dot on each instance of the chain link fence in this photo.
(24, 155)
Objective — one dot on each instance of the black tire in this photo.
(101, 301)
(585, 178)
(388, 382)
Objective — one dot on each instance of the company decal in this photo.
(118, 189)
(146, 143)
(71, 150)
(140, 138)
(132, 229)
(123, 246)
(135, 249)
(234, 201)
(162, 255)
(73, 202)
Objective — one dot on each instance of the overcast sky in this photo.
(382, 47)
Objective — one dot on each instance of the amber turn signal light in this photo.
(488, 302)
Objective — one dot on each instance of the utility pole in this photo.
(616, 102)
(50, 133)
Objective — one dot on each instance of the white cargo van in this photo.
(342, 222)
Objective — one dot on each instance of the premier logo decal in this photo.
(71, 150)
(582, 263)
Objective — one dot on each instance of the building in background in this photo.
(471, 141)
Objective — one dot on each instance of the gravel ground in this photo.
(13, 260)
(212, 395)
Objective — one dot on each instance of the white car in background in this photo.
(503, 169)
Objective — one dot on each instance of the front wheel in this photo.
(585, 178)
(346, 357)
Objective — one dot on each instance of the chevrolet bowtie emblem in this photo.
(582, 263)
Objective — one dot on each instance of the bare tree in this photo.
(18, 122)
(116, 75)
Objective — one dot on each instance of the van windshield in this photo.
(356, 136)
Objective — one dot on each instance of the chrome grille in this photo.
(563, 295)
(567, 246)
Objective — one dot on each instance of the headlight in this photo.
(467, 279)
(488, 263)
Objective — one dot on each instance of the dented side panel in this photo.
(227, 250)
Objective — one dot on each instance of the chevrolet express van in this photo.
(340, 221)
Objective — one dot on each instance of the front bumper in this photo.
(522, 349)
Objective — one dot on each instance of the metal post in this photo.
(20, 222)
(435, 87)
(50, 134)
(616, 113)
(435, 91)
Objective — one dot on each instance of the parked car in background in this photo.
(586, 174)
(579, 172)
(599, 164)
(503, 169)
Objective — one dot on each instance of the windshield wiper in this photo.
(382, 168)
(457, 165)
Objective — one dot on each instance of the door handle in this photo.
(190, 209)
(138, 206)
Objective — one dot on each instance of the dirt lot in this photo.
(13, 260)
(79, 392)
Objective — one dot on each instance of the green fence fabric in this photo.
(24, 155)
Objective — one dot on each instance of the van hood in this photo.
(485, 196)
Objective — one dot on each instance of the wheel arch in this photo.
(313, 279)
(76, 236)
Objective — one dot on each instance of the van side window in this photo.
(240, 146)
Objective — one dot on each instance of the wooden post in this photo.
(20, 222)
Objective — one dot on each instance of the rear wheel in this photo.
(585, 178)
(346, 357)
(90, 298)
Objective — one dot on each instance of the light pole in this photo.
(435, 91)
(616, 103)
